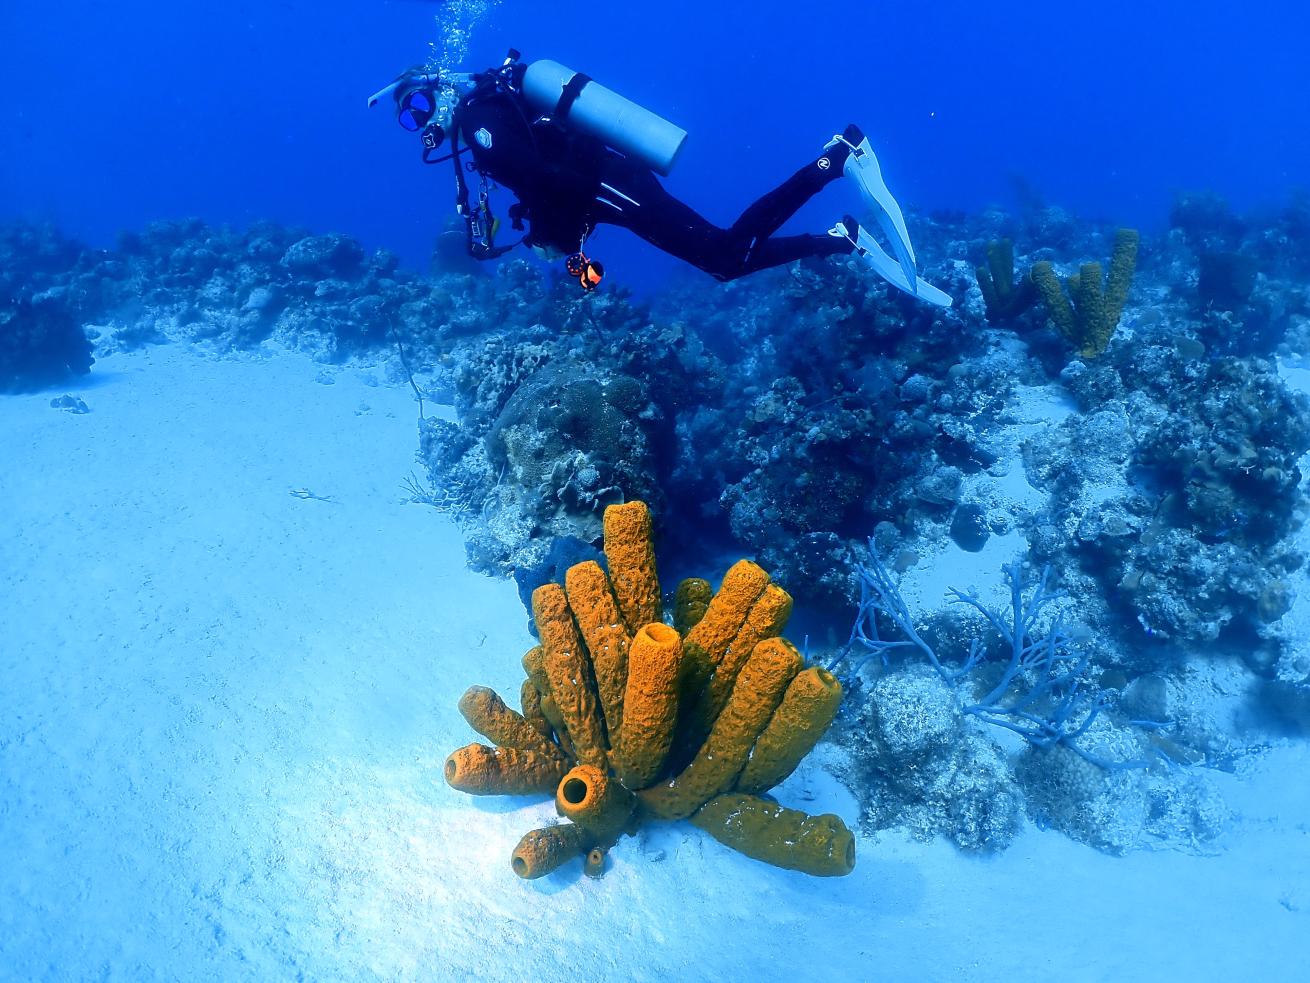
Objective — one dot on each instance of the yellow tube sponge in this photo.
(804, 715)
(766, 619)
(1057, 304)
(690, 603)
(1094, 326)
(612, 709)
(481, 770)
(650, 705)
(1090, 320)
(1123, 264)
(595, 802)
(568, 671)
(487, 714)
(631, 558)
(534, 664)
(705, 644)
(817, 845)
(759, 690)
(1003, 298)
(544, 850)
(530, 700)
(605, 634)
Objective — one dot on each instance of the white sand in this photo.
(223, 711)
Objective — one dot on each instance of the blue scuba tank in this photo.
(572, 98)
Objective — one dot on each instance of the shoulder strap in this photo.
(572, 89)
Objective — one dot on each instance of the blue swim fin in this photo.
(862, 168)
(868, 251)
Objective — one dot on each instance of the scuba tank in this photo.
(573, 99)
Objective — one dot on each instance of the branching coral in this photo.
(626, 719)
(1088, 315)
(1040, 693)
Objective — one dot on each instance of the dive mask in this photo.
(416, 107)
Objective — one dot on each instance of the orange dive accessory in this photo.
(586, 271)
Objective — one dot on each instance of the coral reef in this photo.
(186, 281)
(1088, 315)
(41, 336)
(553, 425)
(1041, 691)
(1243, 277)
(626, 719)
(916, 761)
(40, 343)
(1117, 811)
(1160, 479)
(1099, 765)
(1178, 490)
(865, 399)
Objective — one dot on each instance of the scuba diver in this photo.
(577, 156)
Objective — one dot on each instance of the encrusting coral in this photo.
(1090, 317)
(627, 719)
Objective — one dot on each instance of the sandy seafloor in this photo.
(224, 708)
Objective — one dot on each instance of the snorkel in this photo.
(388, 89)
(418, 77)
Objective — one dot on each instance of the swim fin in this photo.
(876, 258)
(862, 167)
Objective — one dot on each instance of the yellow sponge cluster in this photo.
(1090, 312)
(626, 718)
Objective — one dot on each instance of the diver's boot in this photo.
(861, 166)
(866, 249)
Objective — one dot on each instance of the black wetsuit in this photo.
(568, 183)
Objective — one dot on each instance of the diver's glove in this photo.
(875, 257)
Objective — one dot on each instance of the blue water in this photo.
(115, 114)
